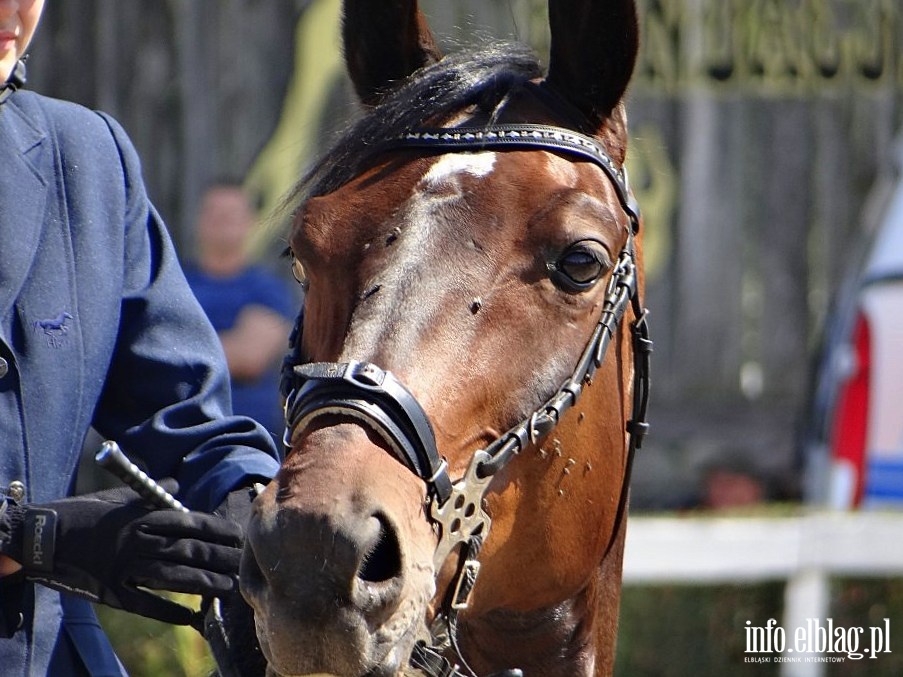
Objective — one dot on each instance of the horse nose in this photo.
(382, 557)
(341, 558)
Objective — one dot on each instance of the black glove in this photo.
(102, 546)
(229, 620)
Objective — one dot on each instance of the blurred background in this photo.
(759, 129)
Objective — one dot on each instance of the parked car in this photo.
(853, 444)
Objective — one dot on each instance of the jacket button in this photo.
(16, 491)
(4, 367)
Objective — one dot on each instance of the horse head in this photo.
(468, 381)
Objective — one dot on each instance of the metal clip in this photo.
(466, 581)
(462, 515)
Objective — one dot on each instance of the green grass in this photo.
(149, 648)
(699, 631)
(672, 631)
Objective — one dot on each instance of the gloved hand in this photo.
(103, 546)
(229, 620)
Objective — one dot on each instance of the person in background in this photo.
(731, 479)
(250, 308)
(99, 329)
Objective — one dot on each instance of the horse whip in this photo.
(211, 627)
(110, 457)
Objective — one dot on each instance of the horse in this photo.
(55, 330)
(55, 326)
(468, 376)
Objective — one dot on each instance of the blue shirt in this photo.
(223, 299)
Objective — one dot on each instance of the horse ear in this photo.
(385, 41)
(593, 52)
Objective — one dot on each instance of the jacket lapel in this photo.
(25, 159)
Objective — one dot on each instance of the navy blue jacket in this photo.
(98, 328)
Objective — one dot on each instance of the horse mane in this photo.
(483, 78)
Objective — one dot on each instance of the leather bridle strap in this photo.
(373, 396)
(528, 137)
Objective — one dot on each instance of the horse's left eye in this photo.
(580, 267)
(298, 272)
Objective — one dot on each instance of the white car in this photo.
(854, 444)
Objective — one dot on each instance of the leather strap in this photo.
(369, 394)
(529, 137)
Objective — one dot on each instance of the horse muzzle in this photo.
(338, 562)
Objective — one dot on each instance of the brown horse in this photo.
(470, 248)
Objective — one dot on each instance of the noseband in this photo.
(380, 401)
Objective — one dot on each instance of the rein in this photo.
(378, 399)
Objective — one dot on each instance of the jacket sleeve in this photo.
(166, 398)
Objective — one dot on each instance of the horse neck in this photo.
(583, 627)
(573, 638)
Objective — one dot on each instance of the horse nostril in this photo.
(383, 561)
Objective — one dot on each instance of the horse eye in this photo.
(298, 271)
(580, 267)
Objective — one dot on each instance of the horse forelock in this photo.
(459, 80)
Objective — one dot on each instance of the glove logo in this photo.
(37, 549)
(40, 539)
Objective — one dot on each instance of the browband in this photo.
(528, 137)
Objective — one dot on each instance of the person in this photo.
(731, 479)
(250, 308)
(99, 329)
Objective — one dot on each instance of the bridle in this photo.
(375, 397)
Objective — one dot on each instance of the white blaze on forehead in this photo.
(476, 164)
(433, 204)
